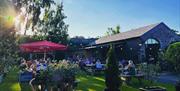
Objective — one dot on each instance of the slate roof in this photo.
(134, 33)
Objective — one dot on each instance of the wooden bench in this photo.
(25, 76)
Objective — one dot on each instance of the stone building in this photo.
(137, 44)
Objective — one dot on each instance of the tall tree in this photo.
(29, 11)
(59, 30)
(112, 79)
(112, 31)
(175, 31)
(45, 21)
(172, 54)
(8, 46)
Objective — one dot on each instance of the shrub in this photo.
(151, 71)
(172, 54)
(112, 79)
(63, 74)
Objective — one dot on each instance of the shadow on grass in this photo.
(90, 83)
(135, 84)
(25, 87)
(10, 82)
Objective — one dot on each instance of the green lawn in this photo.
(97, 83)
(87, 83)
(10, 83)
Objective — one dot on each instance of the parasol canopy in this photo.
(42, 46)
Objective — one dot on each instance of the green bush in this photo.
(172, 54)
(112, 79)
(63, 74)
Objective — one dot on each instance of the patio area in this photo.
(89, 45)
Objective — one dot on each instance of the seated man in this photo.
(41, 66)
(87, 61)
(131, 68)
(98, 65)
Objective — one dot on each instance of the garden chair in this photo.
(25, 76)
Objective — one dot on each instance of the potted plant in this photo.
(112, 79)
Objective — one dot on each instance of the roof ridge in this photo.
(155, 24)
(128, 34)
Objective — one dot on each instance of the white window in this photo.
(151, 41)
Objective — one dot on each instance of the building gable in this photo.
(161, 33)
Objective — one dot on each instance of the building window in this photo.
(151, 41)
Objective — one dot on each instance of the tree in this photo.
(29, 12)
(172, 54)
(112, 79)
(112, 31)
(175, 31)
(8, 45)
(45, 22)
(59, 30)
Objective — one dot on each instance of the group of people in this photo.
(34, 65)
(128, 67)
(83, 61)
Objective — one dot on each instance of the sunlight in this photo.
(7, 15)
(100, 79)
(15, 87)
(89, 89)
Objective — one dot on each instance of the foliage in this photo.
(164, 64)
(27, 38)
(112, 73)
(8, 45)
(64, 68)
(29, 11)
(63, 73)
(47, 23)
(151, 71)
(172, 54)
(175, 31)
(58, 31)
(112, 31)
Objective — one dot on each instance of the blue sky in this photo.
(91, 18)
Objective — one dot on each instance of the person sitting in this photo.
(29, 63)
(88, 62)
(23, 65)
(98, 64)
(41, 66)
(131, 68)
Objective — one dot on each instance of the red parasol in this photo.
(42, 46)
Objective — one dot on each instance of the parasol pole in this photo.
(44, 55)
(30, 56)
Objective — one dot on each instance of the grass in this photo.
(87, 83)
(135, 84)
(96, 83)
(11, 83)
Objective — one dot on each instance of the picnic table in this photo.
(127, 78)
(25, 76)
(91, 69)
